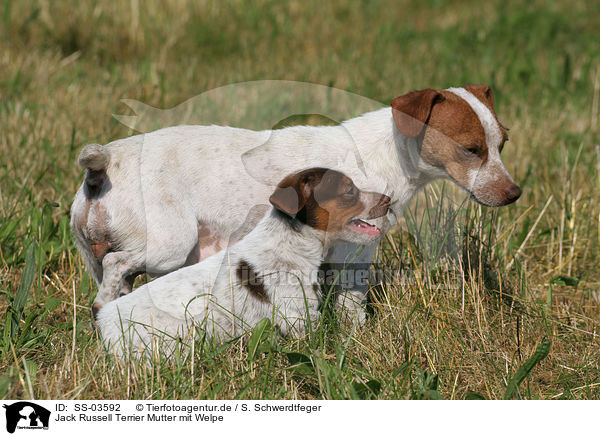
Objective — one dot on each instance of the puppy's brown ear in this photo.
(290, 196)
(485, 94)
(411, 111)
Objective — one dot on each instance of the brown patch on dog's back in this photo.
(251, 281)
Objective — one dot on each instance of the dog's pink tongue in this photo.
(363, 227)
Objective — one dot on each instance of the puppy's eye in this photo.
(473, 149)
(350, 191)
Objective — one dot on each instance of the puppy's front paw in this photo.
(300, 324)
(351, 307)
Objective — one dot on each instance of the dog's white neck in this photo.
(390, 155)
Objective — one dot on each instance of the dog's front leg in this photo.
(346, 273)
(298, 311)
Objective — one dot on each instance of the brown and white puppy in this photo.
(271, 273)
(327, 200)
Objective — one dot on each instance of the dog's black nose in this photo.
(512, 193)
(384, 203)
(381, 208)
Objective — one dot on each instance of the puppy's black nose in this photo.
(512, 193)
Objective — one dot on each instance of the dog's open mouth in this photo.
(362, 226)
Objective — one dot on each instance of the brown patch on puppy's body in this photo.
(251, 281)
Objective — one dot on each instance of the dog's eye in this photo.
(350, 191)
(473, 149)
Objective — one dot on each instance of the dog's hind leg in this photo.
(128, 282)
(119, 271)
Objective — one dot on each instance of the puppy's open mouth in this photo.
(362, 226)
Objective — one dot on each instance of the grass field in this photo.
(445, 326)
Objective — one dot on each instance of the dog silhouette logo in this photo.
(26, 415)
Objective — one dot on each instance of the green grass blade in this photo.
(540, 354)
(24, 288)
(259, 334)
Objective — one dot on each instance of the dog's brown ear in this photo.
(411, 111)
(290, 195)
(485, 94)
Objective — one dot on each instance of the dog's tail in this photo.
(94, 157)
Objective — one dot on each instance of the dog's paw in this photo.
(351, 306)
